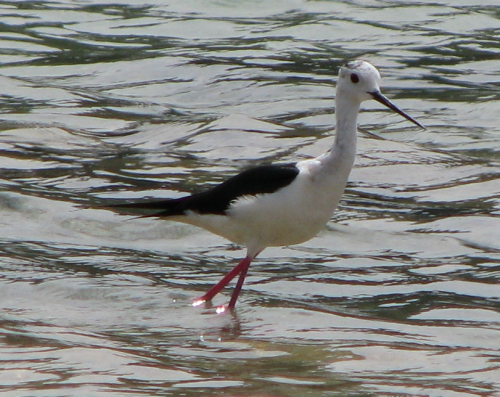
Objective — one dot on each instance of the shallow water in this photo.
(399, 296)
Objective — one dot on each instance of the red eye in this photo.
(354, 78)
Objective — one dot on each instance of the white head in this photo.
(360, 81)
(357, 79)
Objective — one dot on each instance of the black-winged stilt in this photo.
(278, 205)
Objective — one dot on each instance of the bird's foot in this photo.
(199, 301)
(222, 309)
(219, 309)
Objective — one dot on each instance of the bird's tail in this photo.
(159, 208)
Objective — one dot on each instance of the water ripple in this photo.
(397, 297)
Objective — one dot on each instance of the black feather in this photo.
(259, 180)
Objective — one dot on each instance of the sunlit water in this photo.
(399, 296)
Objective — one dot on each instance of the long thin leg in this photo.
(239, 284)
(244, 264)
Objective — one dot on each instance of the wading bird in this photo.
(279, 205)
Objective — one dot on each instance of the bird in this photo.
(279, 204)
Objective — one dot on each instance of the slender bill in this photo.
(379, 97)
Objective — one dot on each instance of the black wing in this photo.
(259, 180)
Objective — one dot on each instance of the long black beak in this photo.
(379, 97)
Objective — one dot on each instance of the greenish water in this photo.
(399, 296)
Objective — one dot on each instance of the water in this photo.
(399, 296)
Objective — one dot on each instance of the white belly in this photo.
(289, 216)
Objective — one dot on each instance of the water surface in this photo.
(399, 296)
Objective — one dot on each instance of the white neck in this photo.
(346, 114)
(343, 152)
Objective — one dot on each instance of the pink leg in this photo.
(240, 267)
(239, 284)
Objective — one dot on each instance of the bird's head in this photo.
(360, 81)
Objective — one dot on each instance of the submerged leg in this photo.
(243, 265)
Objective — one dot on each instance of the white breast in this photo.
(292, 215)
